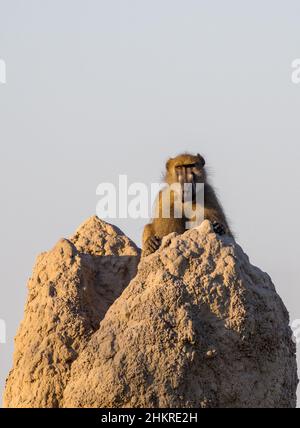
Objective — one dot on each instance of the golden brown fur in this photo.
(182, 169)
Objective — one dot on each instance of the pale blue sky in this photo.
(100, 88)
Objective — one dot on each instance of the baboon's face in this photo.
(186, 170)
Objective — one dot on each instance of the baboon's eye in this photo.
(179, 170)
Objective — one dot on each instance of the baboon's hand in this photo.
(219, 228)
(151, 245)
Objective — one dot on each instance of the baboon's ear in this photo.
(168, 164)
(201, 160)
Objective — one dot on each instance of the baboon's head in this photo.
(186, 169)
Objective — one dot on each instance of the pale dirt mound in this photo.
(199, 326)
(69, 293)
(98, 238)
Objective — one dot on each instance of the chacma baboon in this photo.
(186, 179)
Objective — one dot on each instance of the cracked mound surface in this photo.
(70, 290)
(199, 326)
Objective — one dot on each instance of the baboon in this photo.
(185, 171)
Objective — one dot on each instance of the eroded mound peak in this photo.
(99, 238)
(69, 292)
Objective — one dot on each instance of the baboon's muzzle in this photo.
(186, 178)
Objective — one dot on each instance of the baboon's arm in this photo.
(213, 210)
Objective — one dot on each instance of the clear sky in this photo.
(98, 88)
